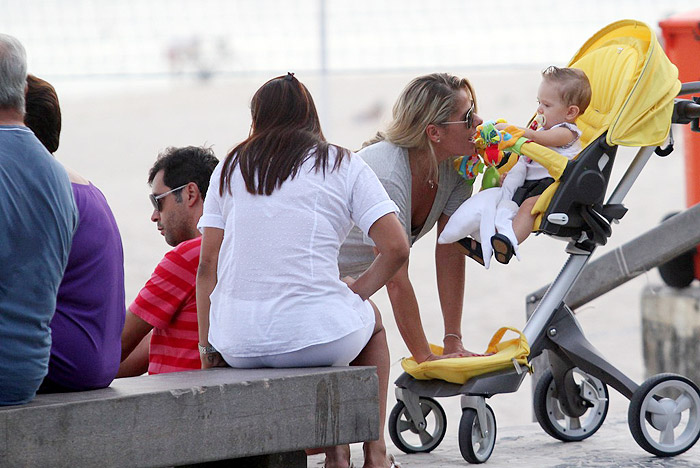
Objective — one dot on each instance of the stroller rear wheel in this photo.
(551, 416)
(476, 442)
(664, 415)
(410, 438)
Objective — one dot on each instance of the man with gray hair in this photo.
(37, 221)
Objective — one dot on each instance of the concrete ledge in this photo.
(193, 417)
(671, 330)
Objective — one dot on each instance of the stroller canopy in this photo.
(633, 83)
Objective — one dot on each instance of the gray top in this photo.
(37, 220)
(390, 163)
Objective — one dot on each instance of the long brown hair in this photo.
(285, 130)
(43, 112)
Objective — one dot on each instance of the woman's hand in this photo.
(435, 357)
(349, 280)
(212, 360)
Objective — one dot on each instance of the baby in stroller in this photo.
(504, 215)
(563, 95)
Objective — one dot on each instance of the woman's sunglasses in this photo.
(468, 119)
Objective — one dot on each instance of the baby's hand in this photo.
(502, 126)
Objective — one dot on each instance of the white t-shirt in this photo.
(536, 171)
(278, 288)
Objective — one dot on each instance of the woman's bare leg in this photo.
(376, 353)
(337, 457)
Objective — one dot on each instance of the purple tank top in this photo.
(86, 328)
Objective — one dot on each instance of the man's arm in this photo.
(135, 340)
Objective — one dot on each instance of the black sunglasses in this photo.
(468, 119)
(155, 199)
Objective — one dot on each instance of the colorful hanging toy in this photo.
(487, 150)
(469, 167)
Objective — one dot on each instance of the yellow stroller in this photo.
(634, 86)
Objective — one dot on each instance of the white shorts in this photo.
(340, 352)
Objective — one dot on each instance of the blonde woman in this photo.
(434, 120)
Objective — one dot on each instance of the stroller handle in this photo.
(687, 110)
(689, 88)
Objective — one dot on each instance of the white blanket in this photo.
(486, 213)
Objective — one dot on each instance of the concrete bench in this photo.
(671, 330)
(260, 417)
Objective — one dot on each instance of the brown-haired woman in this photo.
(268, 288)
(434, 120)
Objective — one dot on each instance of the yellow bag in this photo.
(458, 370)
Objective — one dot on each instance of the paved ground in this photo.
(529, 446)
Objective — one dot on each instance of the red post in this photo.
(681, 35)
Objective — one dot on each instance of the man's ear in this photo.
(433, 132)
(573, 112)
(192, 193)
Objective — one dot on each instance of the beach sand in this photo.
(113, 136)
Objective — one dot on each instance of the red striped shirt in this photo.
(168, 302)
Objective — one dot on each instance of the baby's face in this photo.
(551, 104)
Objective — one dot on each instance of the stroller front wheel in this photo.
(664, 415)
(551, 416)
(476, 441)
(410, 438)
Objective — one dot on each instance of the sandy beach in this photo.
(113, 136)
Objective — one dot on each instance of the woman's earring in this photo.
(438, 140)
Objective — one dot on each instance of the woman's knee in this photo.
(378, 325)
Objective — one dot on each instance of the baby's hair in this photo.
(574, 87)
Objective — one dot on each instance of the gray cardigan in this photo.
(390, 163)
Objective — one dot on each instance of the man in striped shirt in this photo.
(167, 304)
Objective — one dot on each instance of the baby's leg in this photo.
(524, 220)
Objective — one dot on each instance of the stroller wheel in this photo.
(476, 442)
(408, 437)
(551, 416)
(664, 415)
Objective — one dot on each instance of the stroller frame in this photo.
(575, 385)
